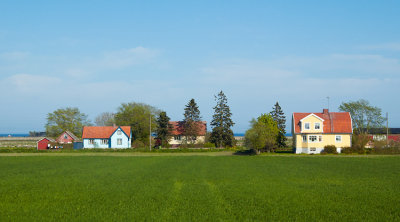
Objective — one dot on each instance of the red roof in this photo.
(103, 132)
(334, 122)
(178, 128)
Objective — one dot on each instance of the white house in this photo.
(119, 137)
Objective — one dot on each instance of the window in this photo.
(119, 141)
(312, 138)
(65, 136)
(119, 132)
(194, 138)
(313, 149)
(104, 141)
(304, 138)
(91, 141)
(338, 139)
(177, 137)
(320, 139)
(317, 126)
(306, 125)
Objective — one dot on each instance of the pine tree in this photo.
(279, 117)
(191, 121)
(164, 128)
(222, 135)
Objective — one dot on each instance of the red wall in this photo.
(42, 144)
(61, 138)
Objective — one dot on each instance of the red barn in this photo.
(43, 143)
(67, 137)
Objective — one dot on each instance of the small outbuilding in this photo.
(67, 137)
(43, 144)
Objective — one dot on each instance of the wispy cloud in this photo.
(29, 84)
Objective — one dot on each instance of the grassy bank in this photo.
(184, 188)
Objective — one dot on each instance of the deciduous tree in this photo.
(105, 119)
(363, 115)
(262, 134)
(222, 134)
(66, 119)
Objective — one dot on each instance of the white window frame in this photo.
(320, 138)
(305, 126)
(119, 132)
(315, 126)
(178, 137)
(311, 141)
(313, 149)
(104, 141)
(304, 138)
(336, 138)
(119, 141)
(91, 141)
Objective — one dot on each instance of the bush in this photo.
(137, 144)
(329, 149)
(209, 145)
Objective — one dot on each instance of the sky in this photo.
(95, 55)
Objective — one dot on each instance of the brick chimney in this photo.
(325, 111)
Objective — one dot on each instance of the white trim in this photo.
(312, 114)
(319, 126)
(308, 126)
(316, 139)
(340, 139)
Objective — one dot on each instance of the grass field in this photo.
(200, 188)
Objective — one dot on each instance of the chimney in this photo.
(114, 125)
(325, 111)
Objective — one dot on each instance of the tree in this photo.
(279, 117)
(137, 115)
(262, 134)
(191, 121)
(66, 119)
(363, 115)
(164, 128)
(105, 119)
(221, 134)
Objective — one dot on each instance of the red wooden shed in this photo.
(43, 143)
(67, 137)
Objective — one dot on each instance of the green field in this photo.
(199, 188)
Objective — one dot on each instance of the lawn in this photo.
(200, 188)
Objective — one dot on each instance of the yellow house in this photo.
(313, 131)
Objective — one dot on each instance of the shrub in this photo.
(209, 145)
(329, 149)
(137, 144)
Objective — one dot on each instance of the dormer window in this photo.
(317, 126)
(119, 132)
(306, 126)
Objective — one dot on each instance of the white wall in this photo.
(97, 144)
(126, 142)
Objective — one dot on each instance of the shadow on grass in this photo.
(245, 153)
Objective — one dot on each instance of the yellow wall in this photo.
(327, 139)
(312, 120)
(199, 139)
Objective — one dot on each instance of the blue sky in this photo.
(95, 55)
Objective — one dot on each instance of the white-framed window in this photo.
(65, 136)
(104, 141)
(304, 138)
(338, 138)
(119, 132)
(119, 141)
(317, 126)
(177, 137)
(313, 149)
(320, 138)
(194, 138)
(312, 139)
(91, 141)
(307, 126)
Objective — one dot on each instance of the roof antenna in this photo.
(328, 101)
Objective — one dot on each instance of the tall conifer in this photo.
(191, 121)
(222, 134)
(279, 117)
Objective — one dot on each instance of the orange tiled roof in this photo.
(102, 132)
(178, 128)
(334, 122)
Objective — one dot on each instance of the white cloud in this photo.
(27, 84)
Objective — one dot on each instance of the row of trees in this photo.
(139, 116)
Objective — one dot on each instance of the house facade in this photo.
(67, 137)
(313, 131)
(178, 133)
(118, 137)
(43, 144)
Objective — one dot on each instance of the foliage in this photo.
(262, 134)
(105, 119)
(222, 134)
(363, 115)
(164, 128)
(66, 119)
(191, 121)
(199, 189)
(278, 115)
(329, 149)
(359, 141)
(138, 144)
(137, 115)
